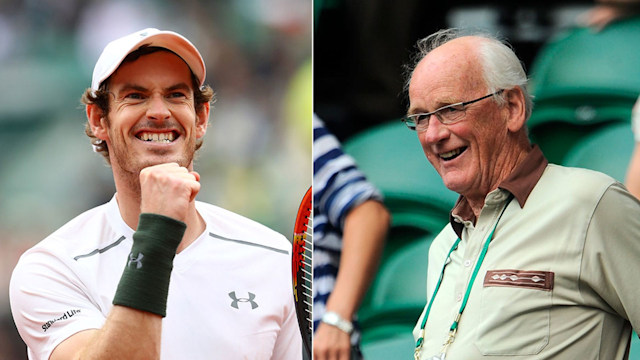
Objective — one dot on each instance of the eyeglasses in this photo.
(447, 115)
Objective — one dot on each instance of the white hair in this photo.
(500, 66)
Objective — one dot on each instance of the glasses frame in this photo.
(412, 122)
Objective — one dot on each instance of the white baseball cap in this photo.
(118, 49)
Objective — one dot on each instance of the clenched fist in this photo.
(167, 189)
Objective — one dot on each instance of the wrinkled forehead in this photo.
(455, 66)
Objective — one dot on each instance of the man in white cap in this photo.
(199, 282)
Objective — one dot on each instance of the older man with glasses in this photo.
(538, 260)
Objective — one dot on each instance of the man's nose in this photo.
(436, 131)
(158, 109)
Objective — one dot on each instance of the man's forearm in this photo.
(127, 334)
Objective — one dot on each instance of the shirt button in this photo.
(459, 297)
(467, 263)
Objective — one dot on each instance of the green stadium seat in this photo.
(398, 293)
(556, 138)
(392, 343)
(607, 150)
(583, 79)
(402, 279)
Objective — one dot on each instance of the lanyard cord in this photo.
(454, 325)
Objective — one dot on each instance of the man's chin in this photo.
(453, 183)
(134, 161)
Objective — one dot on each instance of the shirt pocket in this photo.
(515, 321)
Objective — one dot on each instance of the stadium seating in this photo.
(607, 150)
(398, 294)
(582, 79)
(393, 345)
(402, 279)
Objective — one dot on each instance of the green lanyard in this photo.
(454, 326)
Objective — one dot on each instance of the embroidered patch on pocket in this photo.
(541, 280)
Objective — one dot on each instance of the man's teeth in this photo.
(450, 154)
(157, 137)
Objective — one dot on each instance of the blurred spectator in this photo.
(607, 11)
(349, 227)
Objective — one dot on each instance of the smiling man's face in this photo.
(152, 118)
(466, 153)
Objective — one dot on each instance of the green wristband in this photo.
(144, 284)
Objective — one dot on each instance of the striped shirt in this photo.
(338, 186)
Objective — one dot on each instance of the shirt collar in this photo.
(520, 183)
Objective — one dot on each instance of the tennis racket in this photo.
(302, 271)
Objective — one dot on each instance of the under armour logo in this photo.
(136, 260)
(236, 300)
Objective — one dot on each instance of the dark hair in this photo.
(202, 96)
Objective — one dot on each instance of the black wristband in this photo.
(144, 284)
